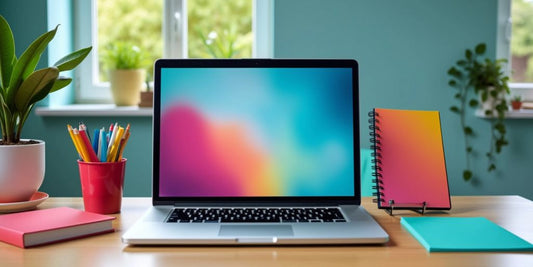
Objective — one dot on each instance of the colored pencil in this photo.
(87, 144)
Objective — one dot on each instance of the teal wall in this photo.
(404, 49)
(27, 20)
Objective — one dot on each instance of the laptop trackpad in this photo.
(255, 230)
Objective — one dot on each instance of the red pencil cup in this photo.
(102, 184)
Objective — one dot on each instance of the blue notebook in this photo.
(463, 234)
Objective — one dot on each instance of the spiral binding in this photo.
(375, 135)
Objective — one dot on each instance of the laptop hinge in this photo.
(252, 204)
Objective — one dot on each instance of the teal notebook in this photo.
(463, 234)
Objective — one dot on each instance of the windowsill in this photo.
(511, 114)
(521, 86)
(93, 110)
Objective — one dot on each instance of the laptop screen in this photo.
(256, 128)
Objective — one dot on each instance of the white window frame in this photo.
(87, 87)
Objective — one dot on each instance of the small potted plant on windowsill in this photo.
(125, 63)
(516, 102)
(22, 161)
(147, 97)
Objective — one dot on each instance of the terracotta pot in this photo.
(516, 105)
(21, 171)
(147, 98)
(126, 86)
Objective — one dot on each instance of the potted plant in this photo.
(125, 63)
(147, 97)
(22, 161)
(516, 102)
(481, 81)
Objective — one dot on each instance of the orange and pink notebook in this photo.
(409, 161)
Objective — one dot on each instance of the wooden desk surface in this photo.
(511, 212)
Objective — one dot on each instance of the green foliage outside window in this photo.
(220, 28)
(217, 28)
(522, 35)
(522, 27)
(137, 22)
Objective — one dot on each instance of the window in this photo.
(515, 42)
(522, 41)
(169, 29)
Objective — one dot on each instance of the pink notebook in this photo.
(38, 227)
(410, 168)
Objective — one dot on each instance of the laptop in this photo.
(255, 151)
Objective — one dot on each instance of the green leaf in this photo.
(498, 147)
(461, 62)
(468, 130)
(458, 96)
(73, 59)
(7, 52)
(500, 127)
(27, 63)
(60, 83)
(41, 94)
(502, 107)
(452, 83)
(468, 54)
(501, 142)
(469, 149)
(481, 48)
(454, 109)
(492, 167)
(452, 70)
(455, 73)
(467, 175)
(488, 112)
(484, 96)
(473, 103)
(123, 55)
(35, 87)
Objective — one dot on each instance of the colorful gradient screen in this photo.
(256, 132)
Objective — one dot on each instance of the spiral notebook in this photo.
(409, 163)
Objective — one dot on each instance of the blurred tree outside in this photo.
(138, 22)
(216, 28)
(522, 41)
(220, 28)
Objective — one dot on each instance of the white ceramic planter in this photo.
(21, 171)
(491, 102)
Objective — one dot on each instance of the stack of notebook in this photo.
(463, 234)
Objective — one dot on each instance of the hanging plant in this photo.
(481, 82)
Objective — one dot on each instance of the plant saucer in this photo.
(36, 199)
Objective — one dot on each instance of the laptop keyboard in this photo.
(255, 215)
